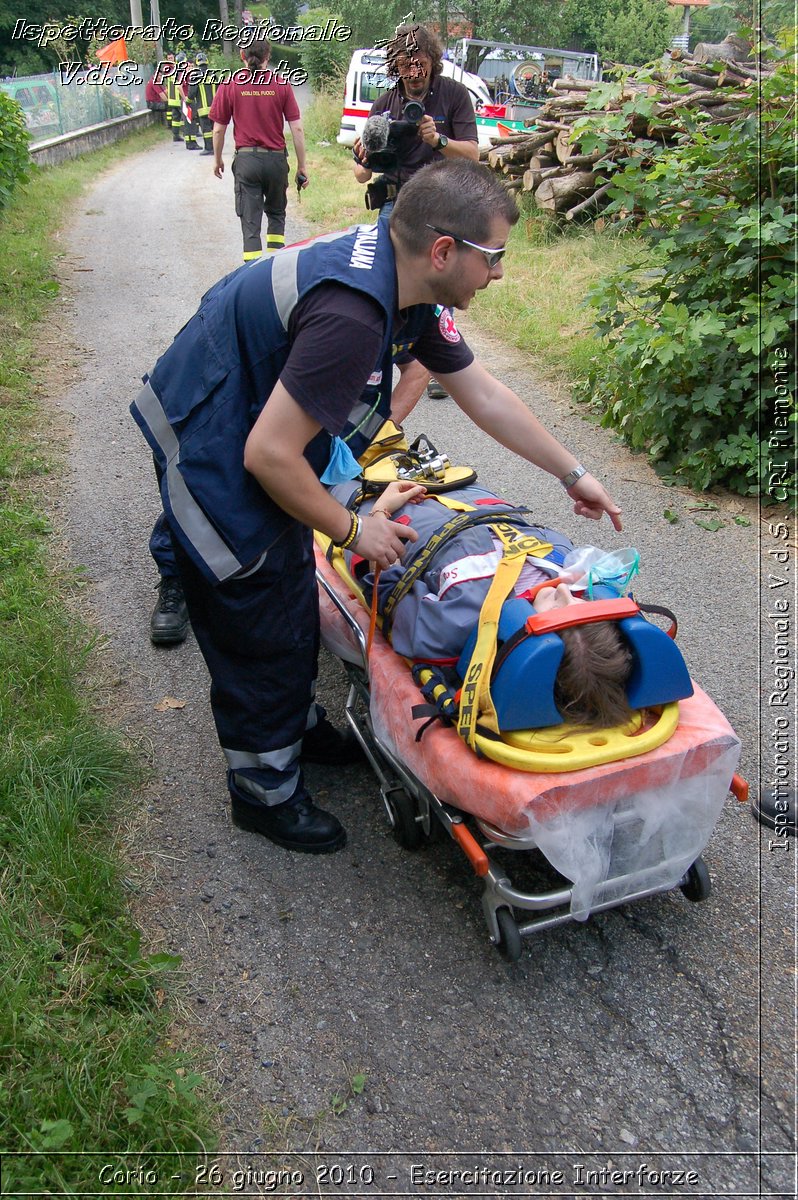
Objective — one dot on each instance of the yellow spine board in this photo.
(558, 747)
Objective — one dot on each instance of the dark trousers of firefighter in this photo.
(261, 186)
(191, 131)
(206, 129)
(259, 636)
(174, 116)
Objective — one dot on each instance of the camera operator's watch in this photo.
(443, 141)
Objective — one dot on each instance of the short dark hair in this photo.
(460, 195)
(409, 40)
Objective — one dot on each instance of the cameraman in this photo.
(448, 129)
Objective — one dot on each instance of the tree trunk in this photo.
(558, 192)
(534, 177)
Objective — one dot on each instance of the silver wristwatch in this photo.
(570, 479)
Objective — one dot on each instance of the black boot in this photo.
(297, 824)
(169, 620)
(326, 744)
(776, 808)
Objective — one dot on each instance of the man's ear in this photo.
(441, 251)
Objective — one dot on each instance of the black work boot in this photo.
(776, 808)
(297, 824)
(326, 744)
(169, 620)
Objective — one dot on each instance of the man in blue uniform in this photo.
(286, 364)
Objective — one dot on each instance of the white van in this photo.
(366, 79)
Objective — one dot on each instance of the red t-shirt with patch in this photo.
(258, 103)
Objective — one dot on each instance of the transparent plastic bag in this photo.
(587, 566)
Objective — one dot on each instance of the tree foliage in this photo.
(14, 159)
(636, 31)
(687, 367)
(324, 61)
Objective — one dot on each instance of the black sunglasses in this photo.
(492, 256)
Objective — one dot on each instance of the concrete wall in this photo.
(72, 145)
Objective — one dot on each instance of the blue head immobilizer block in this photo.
(523, 684)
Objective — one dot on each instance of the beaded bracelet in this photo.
(353, 535)
(382, 511)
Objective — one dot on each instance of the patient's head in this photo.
(590, 688)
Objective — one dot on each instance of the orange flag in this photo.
(114, 52)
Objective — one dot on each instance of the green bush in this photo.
(695, 336)
(14, 160)
(324, 60)
(322, 118)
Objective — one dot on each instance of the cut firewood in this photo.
(559, 191)
(540, 162)
(591, 202)
(533, 177)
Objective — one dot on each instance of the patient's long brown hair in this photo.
(590, 685)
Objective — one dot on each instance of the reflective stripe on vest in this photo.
(205, 99)
(205, 393)
(185, 510)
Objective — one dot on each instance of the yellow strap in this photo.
(455, 505)
(476, 702)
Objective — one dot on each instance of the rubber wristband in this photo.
(354, 526)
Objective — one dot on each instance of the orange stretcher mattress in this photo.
(687, 778)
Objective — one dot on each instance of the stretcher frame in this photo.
(416, 813)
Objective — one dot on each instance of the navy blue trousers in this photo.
(162, 550)
(259, 636)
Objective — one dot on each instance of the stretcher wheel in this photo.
(403, 814)
(509, 944)
(696, 884)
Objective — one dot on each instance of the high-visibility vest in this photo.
(174, 95)
(205, 95)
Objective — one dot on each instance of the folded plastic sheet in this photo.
(612, 831)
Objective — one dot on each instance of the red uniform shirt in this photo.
(154, 92)
(258, 108)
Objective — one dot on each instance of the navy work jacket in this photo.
(205, 393)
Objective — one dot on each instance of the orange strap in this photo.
(373, 617)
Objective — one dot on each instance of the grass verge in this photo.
(539, 307)
(88, 1079)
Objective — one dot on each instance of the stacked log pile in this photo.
(547, 161)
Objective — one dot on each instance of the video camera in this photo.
(385, 140)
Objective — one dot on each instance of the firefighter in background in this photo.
(191, 131)
(174, 98)
(200, 97)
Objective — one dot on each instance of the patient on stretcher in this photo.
(434, 621)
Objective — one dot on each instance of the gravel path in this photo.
(656, 1034)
